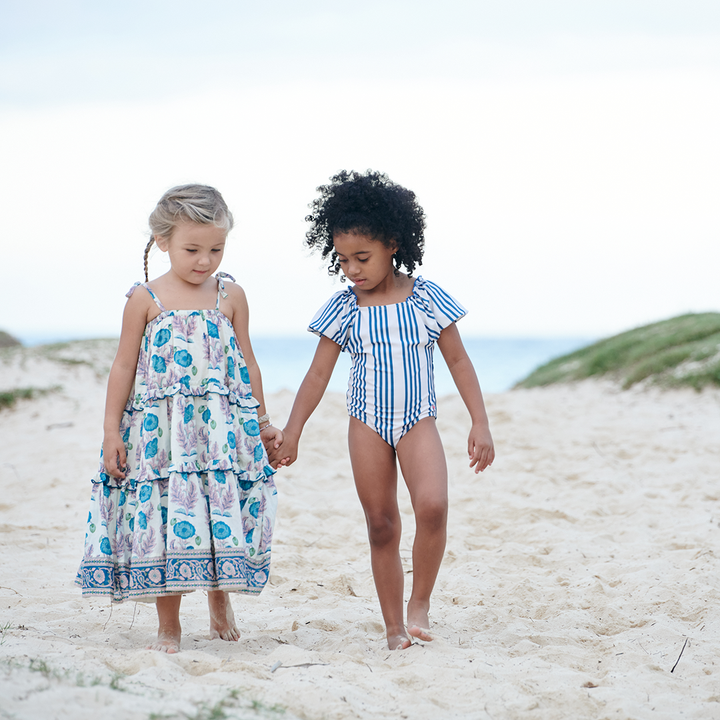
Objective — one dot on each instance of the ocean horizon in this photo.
(499, 362)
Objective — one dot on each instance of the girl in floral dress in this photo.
(184, 497)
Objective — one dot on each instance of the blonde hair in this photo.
(200, 204)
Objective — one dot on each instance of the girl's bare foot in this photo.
(168, 642)
(169, 630)
(398, 642)
(418, 621)
(397, 638)
(420, 633)
(222, 618)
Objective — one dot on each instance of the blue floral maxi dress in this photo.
(197, 506)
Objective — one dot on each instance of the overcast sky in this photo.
(567, 154)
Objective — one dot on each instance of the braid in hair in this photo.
(147, 252)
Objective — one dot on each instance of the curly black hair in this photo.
(370, 204)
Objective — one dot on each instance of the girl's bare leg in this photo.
(169, 630)
(222, 618)
(375, 472)
(422, 461)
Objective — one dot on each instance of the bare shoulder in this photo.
(140, 303)
(234, 304)
(234, 291)
(407, 282)
(236, 298)
(139, 309)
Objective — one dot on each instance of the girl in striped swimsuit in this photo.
(370, 228)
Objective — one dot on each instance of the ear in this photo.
(161, 242)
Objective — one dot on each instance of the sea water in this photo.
(499, 362)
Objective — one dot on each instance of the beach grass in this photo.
(7, 340)
(97, 355)
(680, 352)
(8, 398)
(232, 703)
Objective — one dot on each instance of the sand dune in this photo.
(578, 570)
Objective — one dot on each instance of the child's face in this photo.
(195, 250)
(366, 262)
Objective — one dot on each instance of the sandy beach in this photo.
(581, 578)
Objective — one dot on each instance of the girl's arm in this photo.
(480, 444)
(120, 382)
(309, 395)
(270, 435)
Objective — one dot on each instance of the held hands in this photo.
(271, 437)
(285, 453)
(480, 447)
(114, 456)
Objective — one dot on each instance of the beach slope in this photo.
(581, 579)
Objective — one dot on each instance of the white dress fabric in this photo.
(196, 508)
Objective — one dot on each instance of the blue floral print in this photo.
(183, 358)
(158, 363)
(221, 530)
(194, 455)
(184, 529)
(162, 337)
(252, 427)
(151, 449)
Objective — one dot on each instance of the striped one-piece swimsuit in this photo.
(391, 383)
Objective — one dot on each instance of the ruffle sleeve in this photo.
(440, 307)
(335, 317)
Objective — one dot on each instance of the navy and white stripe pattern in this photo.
(392, 379)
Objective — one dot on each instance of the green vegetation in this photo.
(62, 676)
(8, 398)
(95, 354)
(7, 340)
(227, 704)
(680, 352)
(3, 631)
(227, 709)
(76, 356)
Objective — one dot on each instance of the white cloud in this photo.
(576, 206)
(567, 161)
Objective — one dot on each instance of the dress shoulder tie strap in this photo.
(221, 286)
(152, 294)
